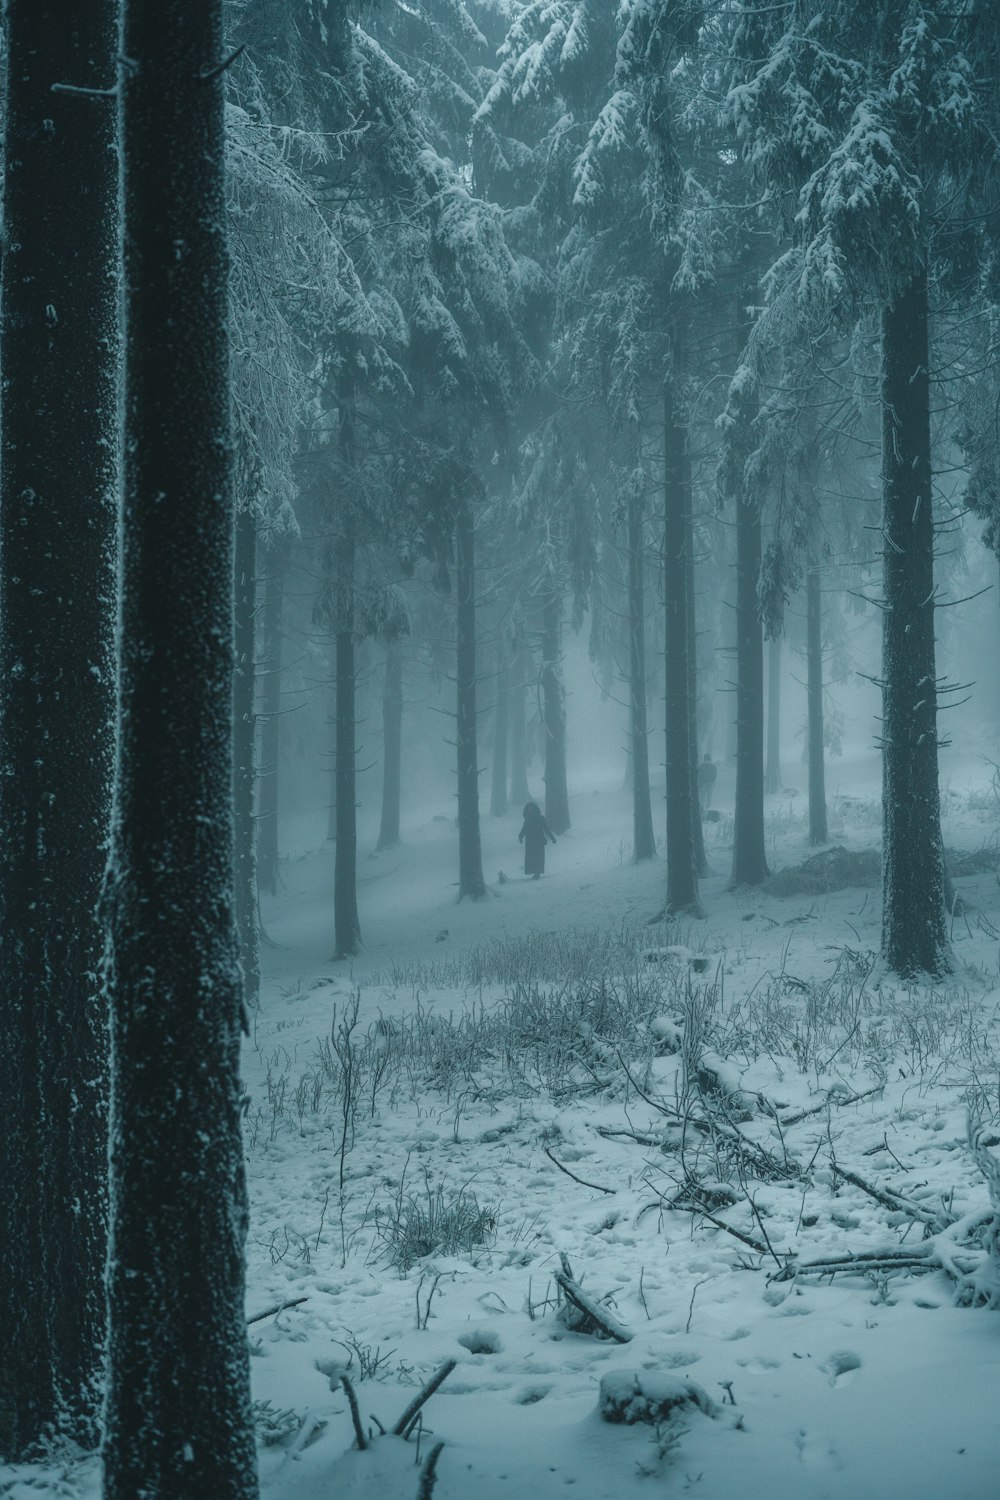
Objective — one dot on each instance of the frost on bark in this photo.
(814, 696)
(244, 851)
(178, 1417)
(470, 857)
(913, 914)
(554, 713)
(682, 875)
(274, 561)
(59, 351)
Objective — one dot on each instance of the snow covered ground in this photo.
(503, 1046)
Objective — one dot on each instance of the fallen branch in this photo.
(352, 1401)
(895, 1201)
(595, 1185)
(831, 1098)
(279, 1307)
(402, 1427)
(428, 1473)
(602, 1320)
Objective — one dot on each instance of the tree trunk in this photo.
(347, 927)
(519, 792)
(58, 524)
(392, 744)
(244, 853)
(772, 774)
(814, 697)
(178, 1418)
(470, 857)
(749, 859)
(698, 836)
(643, 841)
(554, 713)
(682, 876)
(268, 776)
(501, 734)
(913, 915)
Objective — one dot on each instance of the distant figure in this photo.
(706, 782)
(534, 835)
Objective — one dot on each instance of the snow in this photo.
(806, 1388)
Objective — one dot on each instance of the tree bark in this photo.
(178, 1419)
(643, 840)
(58, 521)
(772, 774)
(392, 744)
(501, 734)
(682, 876)
(275, 560)
(697, 832)
(244, 852)
(913, 915)
(554, 713)
(347, 926)
(814, 697)
(519, 792)
(470, 857)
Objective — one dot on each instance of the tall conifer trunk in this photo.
(682, 877)
(554, 712)
(501, 735)
(58, 520)
(347, 927)
(913, 914)
(470, 858)
(275, 560)
(392, 744)
(244, 851)
(643, 841)
(697, 832)
(178, 1420)
(814, 699)
(519, 792)
(772, 773)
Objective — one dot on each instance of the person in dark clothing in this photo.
(534, 835)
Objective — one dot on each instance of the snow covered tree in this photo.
(178, 1412)
(58, 523)
(869, 116)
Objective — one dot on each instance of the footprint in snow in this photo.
(841, 1366)
(816, 1451)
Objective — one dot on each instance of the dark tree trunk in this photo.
(331, 807)
(698, 836)
(501, 734)
(275, 560)
(178, 1419)
(682, 877)
(749, 859)
(392, 744)
(643, 841)
(913, 914)
(58, 520)
(814, 698)
(554, 714)
(772, 774)
(519, 792)
(347, 927)
(244, 853)
(470, 857)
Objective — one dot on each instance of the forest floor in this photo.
(734, 1098)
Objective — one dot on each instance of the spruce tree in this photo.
(178, 1411)
(58, 520)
